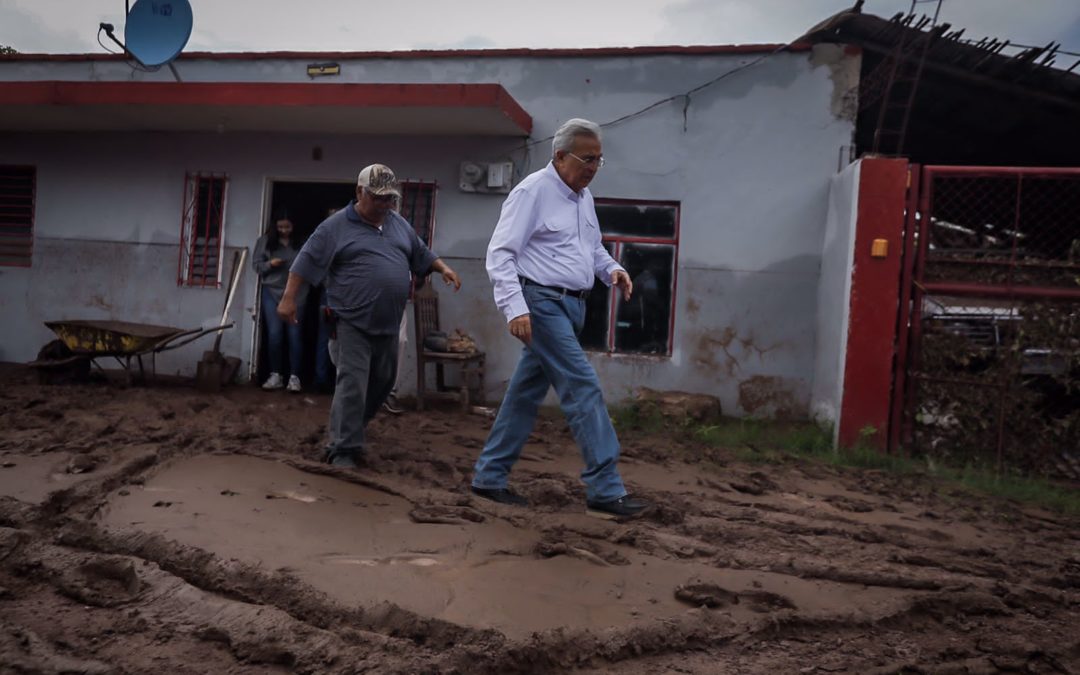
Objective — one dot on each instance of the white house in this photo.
(719, 162)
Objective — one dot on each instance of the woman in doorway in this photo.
(274, 254)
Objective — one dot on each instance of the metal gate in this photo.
(988, 359)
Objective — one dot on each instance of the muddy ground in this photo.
(156, 529)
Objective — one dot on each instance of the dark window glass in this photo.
(598, 314)
(17, 215)
(644, 238)
(418, 207)
(642, 324)
(209, 204)
(637, 220)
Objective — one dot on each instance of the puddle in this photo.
(360, 547)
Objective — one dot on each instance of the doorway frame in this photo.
(264, 215)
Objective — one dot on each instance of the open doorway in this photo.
(306, 204)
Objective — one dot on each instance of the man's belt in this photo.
(563, 291)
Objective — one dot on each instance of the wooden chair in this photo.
(426, 319)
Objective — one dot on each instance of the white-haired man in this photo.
(543, 258)
(366, 253)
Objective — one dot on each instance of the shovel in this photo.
(213, 369)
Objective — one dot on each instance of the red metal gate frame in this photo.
(914, 288)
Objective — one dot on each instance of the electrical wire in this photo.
(131, 62)
(685, 96)
(103, 44)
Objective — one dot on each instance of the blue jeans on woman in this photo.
(277, 331)
(555, 358)
(324, 368)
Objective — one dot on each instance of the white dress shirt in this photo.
(547, 233)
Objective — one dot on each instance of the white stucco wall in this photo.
(750, 164)
(834, 297)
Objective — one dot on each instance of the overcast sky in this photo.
(67, 26)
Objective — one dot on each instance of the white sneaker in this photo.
(273, 382)
(294, 384)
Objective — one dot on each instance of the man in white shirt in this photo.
(544, 256)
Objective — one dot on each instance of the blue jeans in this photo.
(276, 332)
(555, 358)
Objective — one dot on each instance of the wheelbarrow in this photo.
(81, 342)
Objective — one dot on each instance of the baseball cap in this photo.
(378, 179)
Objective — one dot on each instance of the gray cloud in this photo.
(737, 21)
(265, 25)
(30, 31)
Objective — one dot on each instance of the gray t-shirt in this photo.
(275, 278)
(366, 269)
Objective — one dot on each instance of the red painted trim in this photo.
(875, 294)
(265, 95)
(965, 290)
(182, 248)
(613, 305)
(1000, 171)
(661, 50)
(922, 247)
(674, 282)
(903, 321)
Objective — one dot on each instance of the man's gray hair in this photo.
(571, 129)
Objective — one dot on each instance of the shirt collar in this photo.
(353, 216)
(560, 184)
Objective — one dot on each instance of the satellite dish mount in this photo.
(155, 31)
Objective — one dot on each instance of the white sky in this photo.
(66, 26)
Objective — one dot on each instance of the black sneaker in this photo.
(392, 406)
(500, 495)
(623, 507)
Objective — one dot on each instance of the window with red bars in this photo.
(17, 192)
(418, 207)
(644, 237)
(202, 229)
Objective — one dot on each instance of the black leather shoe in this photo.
(344, 461)
(623, 507)
(500, 495)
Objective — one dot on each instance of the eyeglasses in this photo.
(597, 160)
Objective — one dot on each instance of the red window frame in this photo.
(408, 208)
(618, 242)
(18, 200)
(205, 200)
(418, 196)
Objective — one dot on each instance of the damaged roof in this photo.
(968, 93)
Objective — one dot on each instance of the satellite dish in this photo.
(157, 30)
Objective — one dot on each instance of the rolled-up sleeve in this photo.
(313, 261)
(516, 224)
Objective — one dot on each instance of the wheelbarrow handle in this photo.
(191, 335)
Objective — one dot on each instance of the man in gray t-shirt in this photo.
(364, 254)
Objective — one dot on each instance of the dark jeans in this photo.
(324, 369)
(277, 331)
(366, 368)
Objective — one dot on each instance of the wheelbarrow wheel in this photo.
(57, 364)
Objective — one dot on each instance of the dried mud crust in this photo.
(795, 568)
